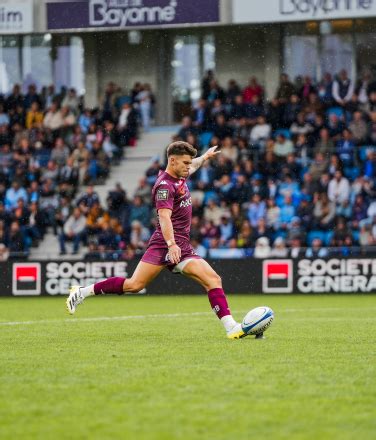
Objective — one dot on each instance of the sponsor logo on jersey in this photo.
(277, 276)
(162, 183)
(162, 194)
(186, 203)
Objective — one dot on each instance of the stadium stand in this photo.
(50, 146)
(295, 172)
(296, 175)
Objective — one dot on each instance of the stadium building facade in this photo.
(171, 43)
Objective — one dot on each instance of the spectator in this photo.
(283, 146)
(16, 242)
(318, 167)
(144, 98)
(307, 89)
(359, 211)
(140, 211)
(226, 230)
(62, 213)
(199, 249)
(370, 164)
(213, 212)
(316, 250)
(220, 128)
(13, 194)
(323, 212)
(71, 101)
(301, 126)
(285, 89)
(253, 89)
(287, 211)
(325, 88)
(335, 126)
(127, 126)
(324, 145)
(153, 171)
(292, 109)
(343, 88)
(339, 188)
(107, 237)
(60, 152)
(262, 248)
(53, 119)
(358, 128)
(200, 117)
(345, 148)
(117, 199)
(4, 252)
(256, 210)
(296, 250)
(34, 117)
(260, 133)
(341, 233)
(99, 164)
(139, 236)
(74, 229)
(279, 248)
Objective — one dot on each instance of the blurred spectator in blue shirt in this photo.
(287, 211)
(13, 194)
(316, 250)
(140, 211)
(256, 210)
(345, 148)
(85, 120)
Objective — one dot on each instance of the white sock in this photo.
(228, 322)
(87, 291)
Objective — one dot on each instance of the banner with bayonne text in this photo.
(274, 11)
(122, 14)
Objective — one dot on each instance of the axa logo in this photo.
(26, 279)
(186, 203)
(277, 276)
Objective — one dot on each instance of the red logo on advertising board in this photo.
(277, 276)
(26, 279)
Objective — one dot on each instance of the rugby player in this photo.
(169, 247)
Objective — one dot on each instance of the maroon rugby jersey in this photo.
(172, 193)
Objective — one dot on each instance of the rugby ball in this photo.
(257, 320)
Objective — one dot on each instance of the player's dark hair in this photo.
(180, 148)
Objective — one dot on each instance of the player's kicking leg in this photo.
(142, 276)
(201, 271)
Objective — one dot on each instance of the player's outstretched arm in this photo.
(198, 161)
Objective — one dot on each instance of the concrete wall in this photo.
(125, 63)
(245, 51)
(110, 57)
(241, 52)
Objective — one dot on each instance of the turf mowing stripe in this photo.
(157, 316)
(106, 318)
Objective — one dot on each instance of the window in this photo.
(36, 61)
(337, 54)
(193, 55)
(301, 56)
(10, 65)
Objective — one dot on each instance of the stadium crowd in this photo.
(296, 172)
(296, 175)
(50, 145)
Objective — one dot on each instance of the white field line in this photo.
(162, 316)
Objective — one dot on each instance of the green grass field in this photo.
(162, 369)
